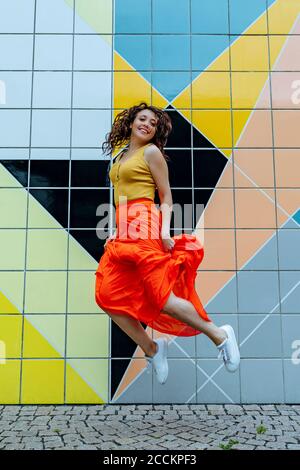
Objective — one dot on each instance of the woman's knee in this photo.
(171, 306)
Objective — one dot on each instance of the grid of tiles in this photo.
(229, 77)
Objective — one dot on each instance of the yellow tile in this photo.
(250, 53)
(11, 335)
(42, 381)
(78, 390)
(51, 287)
(10, 376)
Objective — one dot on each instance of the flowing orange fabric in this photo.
(135, 275)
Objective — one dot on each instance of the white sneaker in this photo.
(229, 349)
(159, 360)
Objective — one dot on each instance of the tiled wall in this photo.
(228, 73)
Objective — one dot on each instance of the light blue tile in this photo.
(17, 89)
(290, 291)
(17, 16)
(50, 128)
(14, 127)
(50, 154)
(92, 89)
(167, 19)
(215, 384)
(262, 381)
(171, 52)
(260, 336)
(89, 127)
(266, 257)
(258, 292)
(53, 52)
(180, 386)
(136, 52)
(210, 17)
(291, 336)
(132, 16)
(54, 16)
(292, 380)
(14, 154)
(288, 247)
(91, 53)
(205, 347)
(172, 82)
(205, 49)
(52, 89)
(225, 301)
(86, 153)
(16, 52)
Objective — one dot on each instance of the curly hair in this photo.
(121, 131)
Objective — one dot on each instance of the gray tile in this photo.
(258, 292)
(291, 335)
(181, 383)
(288, 247)
(292, 379)
(225, 301)
(290, 291)
(266, 257)
(260, 336)
(262, 381)
(223, 387)
(205, 347)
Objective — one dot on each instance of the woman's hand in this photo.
(167, 241)
(112, 237)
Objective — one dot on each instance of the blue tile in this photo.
(53, 52)
(242, 14)
(167, 19)
(52, 89)
(262, 381)
(132, 16)
(51, 128)
(290, 291)
(17, 16)
(171, 82)
(16, 52)
(17, 89)
(55, 16)
(136, 52)
(209, 17)
(205, 49)
(258, 292)
(14, 128)
(296, 217)
(171, 52)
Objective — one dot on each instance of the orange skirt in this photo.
(135, 275)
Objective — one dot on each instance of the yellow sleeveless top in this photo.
(133, 177)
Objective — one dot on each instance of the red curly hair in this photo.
(121, 131)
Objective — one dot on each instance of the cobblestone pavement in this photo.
(165, 427)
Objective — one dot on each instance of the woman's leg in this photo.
(134, 329)
(184, 310)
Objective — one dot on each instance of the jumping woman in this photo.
(144, 274)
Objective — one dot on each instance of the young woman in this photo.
(146, 275)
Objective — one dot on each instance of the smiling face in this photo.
(143, 127)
